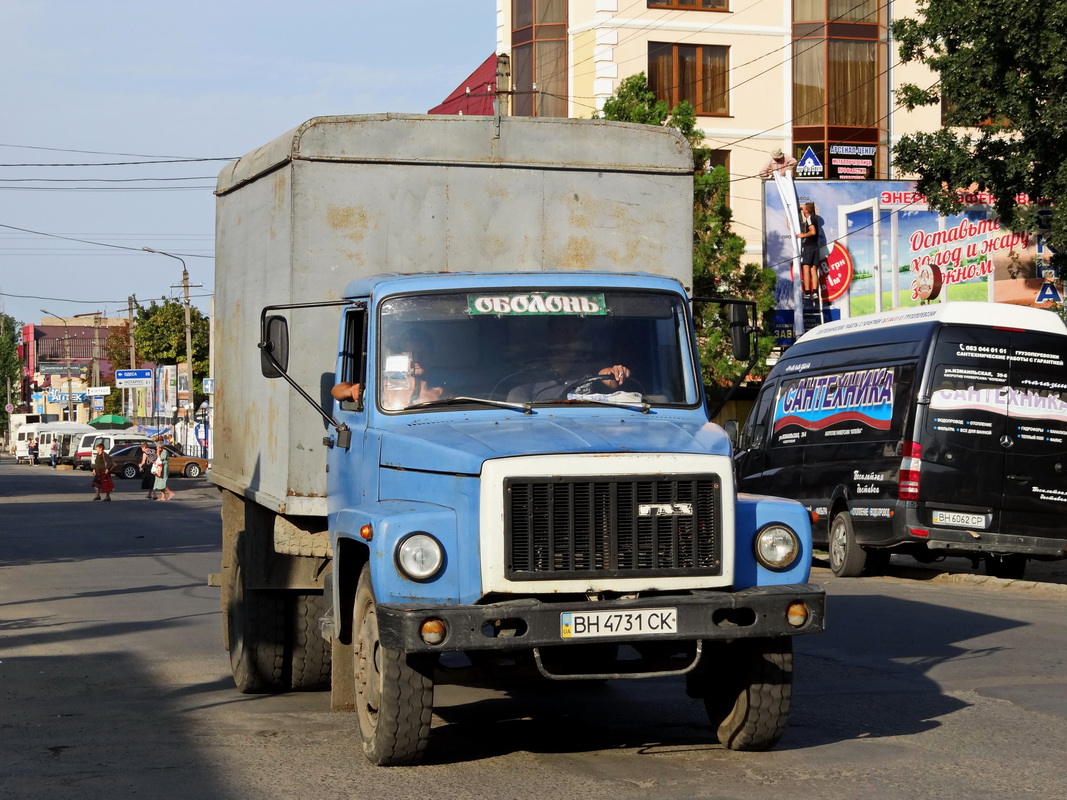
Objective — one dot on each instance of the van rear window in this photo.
(839, 407)
(1013, 387)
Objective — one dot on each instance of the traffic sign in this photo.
(209, 386)
(9, 408)
(99, 391)
(133, 378)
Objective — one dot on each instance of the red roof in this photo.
(475, 95)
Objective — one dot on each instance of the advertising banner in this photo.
(883, 248)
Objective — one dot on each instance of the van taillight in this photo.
(910, 465)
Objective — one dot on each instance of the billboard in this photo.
(883, 248)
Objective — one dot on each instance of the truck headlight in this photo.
(777, 546)
(419, 556)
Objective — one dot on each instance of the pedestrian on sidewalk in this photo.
(161, 469)
(102, 480)
(53, 453)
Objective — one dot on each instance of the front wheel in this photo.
(748, 691)
(192, 470)
(847, 558)
(394, 690)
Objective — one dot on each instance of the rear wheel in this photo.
(255, 636)
(847, 558)
(129, 471)
(310, 653)
(748, 691)
(394, 690)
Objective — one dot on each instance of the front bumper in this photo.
(709, 615)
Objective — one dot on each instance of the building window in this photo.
(691, 5)
(539, 58)
(838, 97)
(697, 73)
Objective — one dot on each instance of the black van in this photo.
(934, 431)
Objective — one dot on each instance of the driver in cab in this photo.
(571, 365)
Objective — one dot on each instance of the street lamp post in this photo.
(188, 320)
(66, 350)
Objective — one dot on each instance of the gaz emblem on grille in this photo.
(665, 510)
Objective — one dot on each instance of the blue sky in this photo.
(197, 80)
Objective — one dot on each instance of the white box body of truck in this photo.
(341, 198)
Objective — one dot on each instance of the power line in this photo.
(87, 241)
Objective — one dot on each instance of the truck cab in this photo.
(522, 468)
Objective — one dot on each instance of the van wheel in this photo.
(748, 690)
(394, 690)
(847, 558)
(1009, 567)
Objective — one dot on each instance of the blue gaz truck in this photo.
(461, 428)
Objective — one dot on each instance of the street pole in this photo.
(66, 350)
(133, 356)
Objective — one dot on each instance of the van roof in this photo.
(990, 315)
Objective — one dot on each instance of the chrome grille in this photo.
(626, 526)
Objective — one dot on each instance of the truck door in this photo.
(995, 432)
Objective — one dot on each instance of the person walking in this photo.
(34, 452)
(102, 480)
(148, 480)
(53, 453)
(161, 469)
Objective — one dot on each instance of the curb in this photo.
(961, 579)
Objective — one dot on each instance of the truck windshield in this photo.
(566, 346)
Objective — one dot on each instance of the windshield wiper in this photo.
(636, 405)
(449, 401)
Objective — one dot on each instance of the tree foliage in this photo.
(717, 250)
(1001, 66)
(159, 337)
(10, 368)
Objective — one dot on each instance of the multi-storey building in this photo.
(809, 76)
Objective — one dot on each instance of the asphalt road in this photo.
(114, 684)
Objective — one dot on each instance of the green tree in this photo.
(159, 336)
(117, 352)
(717, 250)
(10, 368)
(1000, 67)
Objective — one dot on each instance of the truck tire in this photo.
(747, 692)
(847, 558)
(394, 690)
(311, 654)
(256, 637)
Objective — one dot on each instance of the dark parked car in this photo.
(128, 457)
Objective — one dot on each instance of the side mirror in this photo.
(739, 328)
(758, 432)
(274, 347)
(730, 426)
